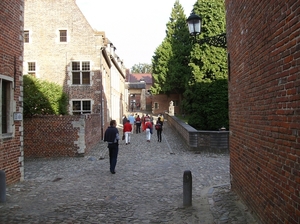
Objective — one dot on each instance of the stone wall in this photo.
(58, 136)
(200, 141)
(264, 106)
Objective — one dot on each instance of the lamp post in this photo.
(194, 23)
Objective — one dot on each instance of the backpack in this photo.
(158, 126)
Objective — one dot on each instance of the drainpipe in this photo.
(101, 96)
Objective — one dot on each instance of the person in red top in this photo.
(138, 124)
(148, 129)
(127, 128)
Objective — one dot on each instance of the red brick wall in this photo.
(93, 130)
(164, 103)
(264, 102)
(56, 136)
(11, 48)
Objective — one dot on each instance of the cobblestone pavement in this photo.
(147, 187)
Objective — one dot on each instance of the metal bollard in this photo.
(2, 186)
(187, 188)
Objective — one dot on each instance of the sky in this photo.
(135, 27)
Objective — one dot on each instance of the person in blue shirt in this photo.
(131, 120)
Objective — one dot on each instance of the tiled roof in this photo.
(136, 85)
(137, 77)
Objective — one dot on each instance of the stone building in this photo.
(264, 106)
(11, 107)
(61, 46)
(138, 86)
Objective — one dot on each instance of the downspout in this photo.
(101, 96)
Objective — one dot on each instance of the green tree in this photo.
(171, 58)
(42, 97)
(209, 62)
(141, 68)
(206, 96)
(207, 105)
(160, 67)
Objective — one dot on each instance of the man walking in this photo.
(127, 128)
(111, 136)
(148, 129)
(158, 128)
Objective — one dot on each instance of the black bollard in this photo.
(2, 186)
(187, 188)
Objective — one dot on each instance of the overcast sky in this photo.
(135, 27)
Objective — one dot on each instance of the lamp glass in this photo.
(194, 26)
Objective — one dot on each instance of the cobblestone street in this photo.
(147, 187)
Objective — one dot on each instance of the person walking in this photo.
(158, 127)
(148, 129)
(143, 122)
(111, 136)
(124, 119)
(138, 124)
(131, 120)
(127, 128)
(161, 116)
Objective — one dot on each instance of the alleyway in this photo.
(147, 187)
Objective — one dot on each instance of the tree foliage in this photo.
(171, 58)
(209, 62)
(160, 67)
(207, 105)
(141, 68)
(42, 97)
(196, 71)
(206, 95)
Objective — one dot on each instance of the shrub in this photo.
(207, 105)
(43, 97)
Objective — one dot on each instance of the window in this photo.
(80, 73)
(81, 107)
(63, 35)
(156, 105)
(26, 36)
(5, 106)
(31, 68)
(176, 103)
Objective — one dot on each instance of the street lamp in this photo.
(194, 23)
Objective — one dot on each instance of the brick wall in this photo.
(57, 136)
(93, 132)
(264, 102)
(163, 101)
(11, 48)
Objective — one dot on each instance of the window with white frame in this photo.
(63, 36)
(81, 73)
(31, 68)
(6, 95)
(81, 107)
(26, 36)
